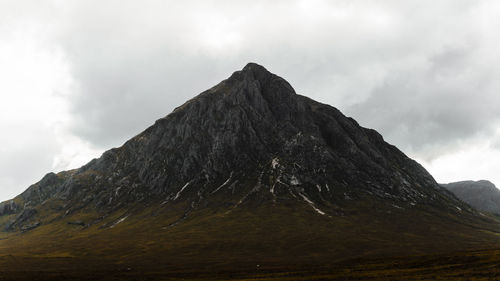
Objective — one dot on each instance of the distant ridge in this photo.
(482, 195)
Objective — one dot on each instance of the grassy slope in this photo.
(281, 238)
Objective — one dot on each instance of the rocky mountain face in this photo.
(250, 139)
(247, 175)
(482, 195)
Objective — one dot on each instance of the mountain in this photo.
(246, 173)
(482, 195)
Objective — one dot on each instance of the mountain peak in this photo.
(486, 183)
(250, 140)
(260, 87)
(255, 68)
(472, 184)
(254, 72)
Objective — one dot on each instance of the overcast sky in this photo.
(80, 77)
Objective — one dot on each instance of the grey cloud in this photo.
(432, 111)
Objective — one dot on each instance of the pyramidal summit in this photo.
(246, 178)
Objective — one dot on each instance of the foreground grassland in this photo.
(473, 265)
(368, 242)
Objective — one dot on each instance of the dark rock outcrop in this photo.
(80, 223)
(26, 216)
(8, 208)
(29, 227)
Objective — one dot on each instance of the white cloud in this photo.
(34, 112)
(474, 161)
